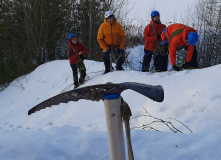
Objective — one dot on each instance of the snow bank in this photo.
(77, 130)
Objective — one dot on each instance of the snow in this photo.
(77, 130)
(135, 58)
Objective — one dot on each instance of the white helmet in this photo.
(108, 14)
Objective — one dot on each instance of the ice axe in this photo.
(112, 104)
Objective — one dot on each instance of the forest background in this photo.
(33, 32)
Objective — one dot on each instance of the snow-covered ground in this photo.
(77, 130)
(135, 59)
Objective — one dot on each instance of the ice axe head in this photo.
(155, 93)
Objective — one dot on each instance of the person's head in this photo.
(192, 38)
(109, 17)
(155, 17)
(73, 38)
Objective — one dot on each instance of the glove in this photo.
(97, 94)
(108, 51)
(159, 37)
(119, 51)
(82, 57)
(186, 65)
(177, 68)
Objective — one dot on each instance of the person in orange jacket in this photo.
(75, 53)
(152, 37)
(181, 36)
(108, 34)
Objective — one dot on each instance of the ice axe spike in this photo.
(155, 93)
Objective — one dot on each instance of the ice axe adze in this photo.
(112, 104)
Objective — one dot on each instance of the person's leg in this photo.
(163, 62)
(163, 57)
(193, 62)
(75, 74)
(146, 60)
(82, 70)
(106, 58)
(120, 60)
(156, 62)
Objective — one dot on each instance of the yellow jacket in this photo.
(108, 35)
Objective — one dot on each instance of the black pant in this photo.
(107, 63)
(81, 68)
(163, 57)
(146, 60)
(160, 61)
(193, 62)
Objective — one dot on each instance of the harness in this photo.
(157, 47)
(171, 37)
(75, 53)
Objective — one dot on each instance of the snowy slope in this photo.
(77, 130)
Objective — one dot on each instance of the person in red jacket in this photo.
(76, 52)
(180, 36)
(152, 37)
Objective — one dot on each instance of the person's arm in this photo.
(172, 53)
(189, 53)
(122, 38)
(83, 49)
(100, 39)
(70, 52)
(147, 36)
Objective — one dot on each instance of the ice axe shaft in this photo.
(114, 123)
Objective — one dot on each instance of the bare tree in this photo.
(209, 29)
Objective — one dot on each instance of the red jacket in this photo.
(78, 48)
(150, 39)
(178, 40)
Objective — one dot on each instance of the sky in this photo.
(77, 130)
(171, 11)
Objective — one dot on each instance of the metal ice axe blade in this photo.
(155, 93)
(112, 103)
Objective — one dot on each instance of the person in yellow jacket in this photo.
(108, 34)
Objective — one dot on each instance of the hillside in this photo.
(77, 130)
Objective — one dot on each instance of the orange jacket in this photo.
(150, 39)
(178, 40)
(108, 35)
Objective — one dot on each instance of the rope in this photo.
(126, 114)
(171, 37)
(66, 88)
(157, 47)
(95, 72)
(70, 85)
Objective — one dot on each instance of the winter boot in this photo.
(76, 86)
(106, 71)
(119, 68)
(81, 81)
